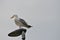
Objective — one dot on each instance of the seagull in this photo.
(20, 22)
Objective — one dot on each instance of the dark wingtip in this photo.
(29, 26)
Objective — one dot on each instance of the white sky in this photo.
(43, 15)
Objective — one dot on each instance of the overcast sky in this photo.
(43, 15)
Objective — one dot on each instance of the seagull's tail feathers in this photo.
(29, 26)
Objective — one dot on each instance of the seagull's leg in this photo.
(19, 27)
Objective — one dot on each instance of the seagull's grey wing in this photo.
(23, 22)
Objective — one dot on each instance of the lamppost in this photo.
(18, 32)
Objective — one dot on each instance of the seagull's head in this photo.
(14, 16)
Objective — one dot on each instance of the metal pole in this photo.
(23, 35)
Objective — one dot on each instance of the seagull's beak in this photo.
(12, 17)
